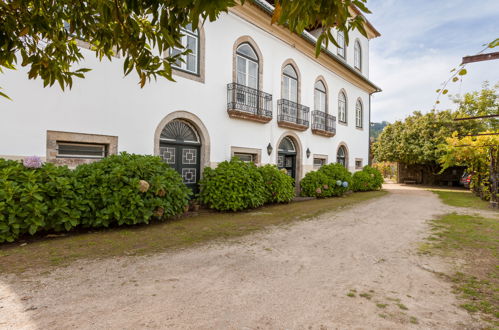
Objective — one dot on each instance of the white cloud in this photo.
(421, 42)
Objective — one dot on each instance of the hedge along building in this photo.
(248, 89)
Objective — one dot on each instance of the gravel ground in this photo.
(357, 268)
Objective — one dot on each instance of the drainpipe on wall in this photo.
(369, 136)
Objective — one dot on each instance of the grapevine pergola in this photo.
(493, 149)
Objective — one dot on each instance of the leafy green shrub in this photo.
(316, 184)
(367, 179)
(129, 189)
(330, 180)
(279, 186)
(124, 189)
(232, 186)
(32, 200)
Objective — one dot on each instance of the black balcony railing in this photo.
(249, 100)
(323, 122)
(291, 112)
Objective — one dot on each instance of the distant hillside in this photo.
(376, 129)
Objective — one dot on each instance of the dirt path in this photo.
(294, 277)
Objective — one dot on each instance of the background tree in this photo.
(480, 154)
(416, 139)
(481, 103)
(42, 34)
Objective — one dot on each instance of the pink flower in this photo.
(318, 191)
(32, 162)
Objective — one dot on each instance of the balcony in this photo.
(323, 124)
(244, 102)
(292, 115)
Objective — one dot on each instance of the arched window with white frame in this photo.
(358, 114)
(247, 63)
(342, 107)
(340, 39)
(289, 84)
(358, 55)
(320, 96)
(190, 41)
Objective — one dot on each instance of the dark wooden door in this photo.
(185, 159)
(287, 161)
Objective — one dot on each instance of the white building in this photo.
(249, 89)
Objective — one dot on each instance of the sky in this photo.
(421, 41)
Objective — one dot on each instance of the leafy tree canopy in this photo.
(42, 34)
(416, 140)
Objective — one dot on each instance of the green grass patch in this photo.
(475, 240)
(462, 199)
(366, 295)
(184, 232)
(402, 306)
(381, 305)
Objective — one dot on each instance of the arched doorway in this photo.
(286, 156)
(180, 147)
(342, 156)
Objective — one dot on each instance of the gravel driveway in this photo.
(354, 269)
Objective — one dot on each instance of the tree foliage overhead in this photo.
(42, 35)
(416, 140)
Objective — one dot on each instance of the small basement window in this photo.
(319, 162)
(358, 164)
(245, 157)
(81, 150)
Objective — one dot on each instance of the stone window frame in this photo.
(361, 127)
(323, 80)
(357, 48)
(361, 160)
(344, 92)
(243, 150)
(347, 155)
(338, 51)
(319, 156)
(250, 41)
(200, 76)
(55, 137)
(291, 62)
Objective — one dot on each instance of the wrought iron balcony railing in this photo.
(248, 103)
(323, 123)
(292, 115)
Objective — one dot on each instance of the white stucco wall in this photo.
(107, 103)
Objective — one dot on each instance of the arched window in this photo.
(342, 107)
(179, 131)
(320, 96)
(358, 55)
(358, 114)
(247, 66)
(290, 84)
(190, 40)
(341, 156)
(340, 39)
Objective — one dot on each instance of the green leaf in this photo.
(462, 72)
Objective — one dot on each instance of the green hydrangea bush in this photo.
(316, 184)
(232, 186)
(329, 181)
(367, 180)
(129, 189)
(279, 187)
(120, 189)
(37, 199)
